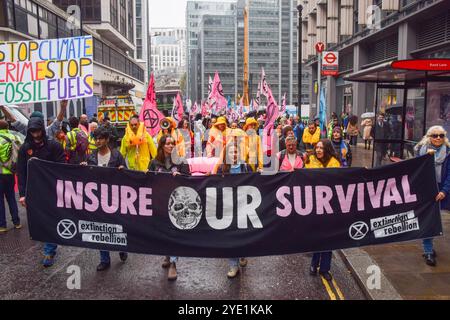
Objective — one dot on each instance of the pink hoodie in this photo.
(286, 165)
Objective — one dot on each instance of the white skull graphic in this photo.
(185, 208)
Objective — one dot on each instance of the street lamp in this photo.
(299, 77)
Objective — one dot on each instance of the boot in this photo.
(166, 262)
(233, 272)
(243, 262)
(172, 275)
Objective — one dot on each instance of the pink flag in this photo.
(217, 94)
(257, 101)
(205, 109)
(150, 114)
(241, 108)
(210, 86)
(283, 105)
(194, 109)
(178, 110)
(264, 86)
(272, 114)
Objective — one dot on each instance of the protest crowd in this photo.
(239, 140)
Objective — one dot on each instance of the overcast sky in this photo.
(167, 13)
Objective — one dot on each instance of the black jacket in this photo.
(50, 151)
(157, 166)
(115, 161)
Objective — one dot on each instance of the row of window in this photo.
(29, 18)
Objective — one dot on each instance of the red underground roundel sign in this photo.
(330, 57)
(423, 64)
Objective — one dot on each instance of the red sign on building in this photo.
(422, 64)
(330, 63)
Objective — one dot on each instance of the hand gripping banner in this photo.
(232, 216)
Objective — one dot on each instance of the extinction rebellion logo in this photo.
(94, 232)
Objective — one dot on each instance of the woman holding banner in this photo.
(324, 157)
(163, 163)
(436, 142)
(229, 163)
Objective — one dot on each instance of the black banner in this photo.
(232, 216)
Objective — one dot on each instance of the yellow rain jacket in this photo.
(314, 163)
(138, 149)
(254, 148)
(311, 139)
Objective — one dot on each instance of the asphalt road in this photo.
(141, 276)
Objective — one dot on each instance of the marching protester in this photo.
(84, 124)
(50, 130)
(92, 127)
(176, 135)
(77, 143)
(311, 136)
(230, 163)
(341, 147)
(103, 156)
(37, 145)
(353, 130)
(290, 158)
(324, 157)
(287, 131)
(299, 127)
(217, 138)
(113, 134)
(163, 163)
(8, 160)
(254, 147)
(137, 145)
(188, 137)
(436, 142)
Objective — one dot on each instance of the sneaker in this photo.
(3, 230)
(102, 266)
(233, 272)
(313, 271)
(430, 259)
(18, 226)
(48, 261)
(243, 262)
(166, 262)
(172, 275)
(326, 275)
(123, 256)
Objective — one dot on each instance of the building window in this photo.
(113, 13)
(130, 21)
(123, 18)
(91, 10)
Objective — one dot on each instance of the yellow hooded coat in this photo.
(138, 149)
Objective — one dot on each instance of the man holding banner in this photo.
(37, 145)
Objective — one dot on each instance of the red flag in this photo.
(150, 115)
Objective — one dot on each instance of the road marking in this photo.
(338, 290)
(328, 288)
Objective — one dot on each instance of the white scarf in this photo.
(439, 158)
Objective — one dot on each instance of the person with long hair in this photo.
(163, 163)
(230, 163)
(324, 157)
(188, 136)
(353, 130)
(436, 142)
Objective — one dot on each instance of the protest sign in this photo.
(46, 70)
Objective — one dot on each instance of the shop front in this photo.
(411, 96)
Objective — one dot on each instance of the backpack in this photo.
(12, 154)
(80, 150)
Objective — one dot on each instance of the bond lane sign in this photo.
(330, 63)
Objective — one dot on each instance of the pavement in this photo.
(404, 274)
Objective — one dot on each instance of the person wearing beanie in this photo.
(50, 130)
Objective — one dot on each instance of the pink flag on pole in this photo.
(178, 110)
(150, 115)
(264, 85)
(283, 105)
(194, 109)
(210, 86)
(257, 101)
(217, 94)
